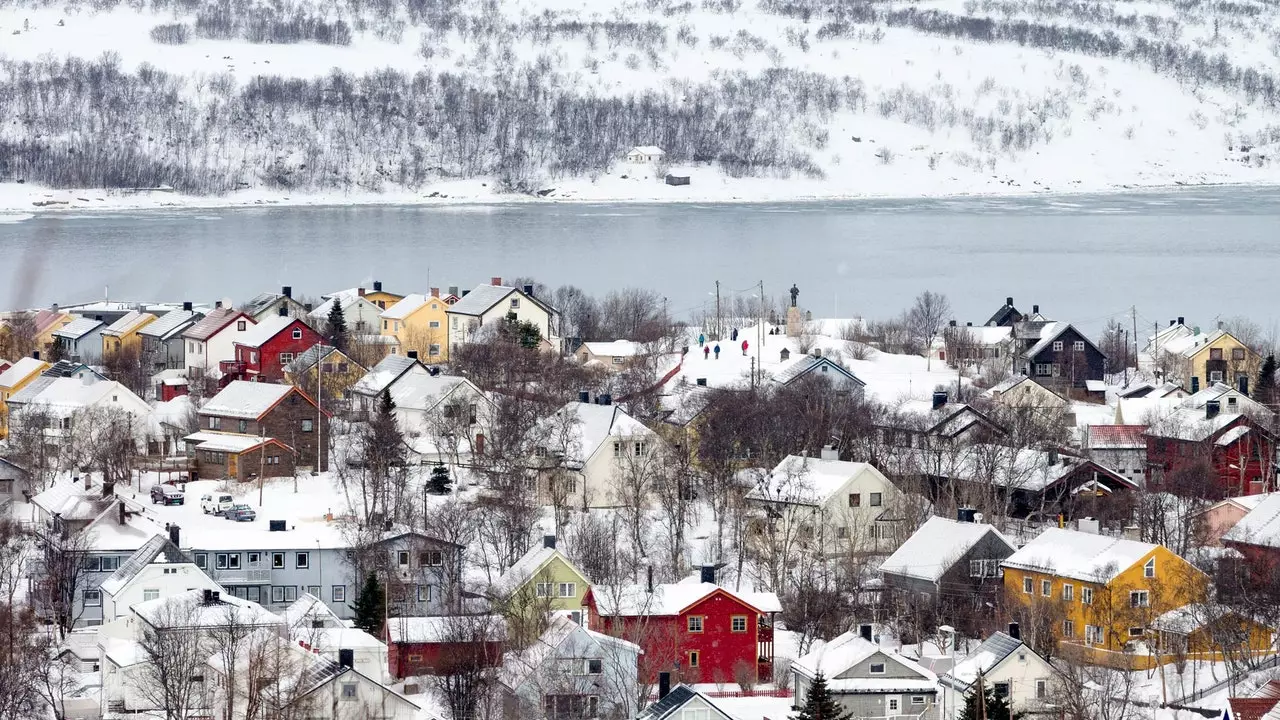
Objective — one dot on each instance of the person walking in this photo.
(717, 351)
(744, 348)
(702, 339)
(706, 351)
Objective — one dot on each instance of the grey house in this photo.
(162, 341)
(949, 558)
(867, 680)
(14, 482)
(81, 339)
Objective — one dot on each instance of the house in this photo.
(258, 411)
(1236, 451)
(1216, 357)
(419, 323)
(340, 691)
(18, 376)
(1009, 668)
(268, 305)
(1256, 706)
(1198, 631)
(683, 703)
(367, 391)
(122, 335)
(867, 680)
(494, 303)
(23, 332)
(1024, 393)
(162, 341)
(359, 314)
(64, 404)
(376, 295)
(1174, 332)
(1229, 399)
(440, 644)
(543, 580)
(211, 341)
(1007, 315)
(72, 369)
(157, 569)
(570, 671)
(15, 482)
(699, 631)
(1060, 356)
(645, 154)
(613, 356)
(1219, 518)
(585, 451)
(430, 404)
(805, 367)
(1143, 389)
(263, 352)
(846, 507)
(1108, 590)
(319, 629)
(953, 563)
(1122, 448)
(980, 347)
(332, 367)
(1257, 535)
(81, 339)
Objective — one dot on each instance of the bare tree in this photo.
(468, 686)
(62, 556)
(175, 657)
(926, 317)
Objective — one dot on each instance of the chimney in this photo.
(347, 657)
(829, 453)
(86, 480)
(215, 596)
(122, 516)
(284, 311)
(817, 352)
(604, 399)
(968, 324)
(649, 576)
(1008, 301)
(453, 290)
(952, 323)
(377, 286)
(865, 631)
(1182, 320)
(549, 542)
(1053, 457)
(413, 354)
(186, 305)
(1015, 632)
(207, 596)
(1211, 409)
(702, 382)
(1220, 323)
(307, 307)
(108, 488)
(939, 398)
(709, 574)
(664, 684)
(435, 292)
(965, 515)
(495, 280)
(360, 292)
(217, 305)
(584, 397)
(528, 290)
(175, 534)
(1035, 309)
(286, 291)
(54, 307)
(1171, 323)
(35, 354)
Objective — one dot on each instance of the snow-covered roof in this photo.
(1079, 555)
(423, 391)
(63, 396)
(72, 501)
(796, 368)
(156, 550)
(169, 324)
(1260, 526)
(20, 370)
(983, 659)
(308, 607)
(442, 628)
(935, 547)
(187, 610)
(518, 666)
(244, 399)
(648, 150)
(383, 374)
(127, 323)
(836, 657)
(123, 652)
(308, 358)
(344, 301)
(1189, 618)
(670, 598)
(526, 567)
(479, 300)
(1027, 469)
(214, 322)
(615, 348)
(1191, 424)
(590, 426)
(268, 328)
(1232, 435)
(77, 328)
(226, 442)
(810, 481)
(1117, 437)
(1051, 331)
(408, 305)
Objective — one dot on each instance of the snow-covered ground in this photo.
(922, 114)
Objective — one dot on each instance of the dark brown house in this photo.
(252, 417)
(1058, 355)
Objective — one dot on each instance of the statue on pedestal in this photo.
(795, 292)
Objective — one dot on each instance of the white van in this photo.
(216, 503)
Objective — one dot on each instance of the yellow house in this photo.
(25, 333)
(335, 368)
(417, 323)
(1100, 595)
(1217, 358)
(122, 335)
(541, 582)
(375, 295)
(18, 376)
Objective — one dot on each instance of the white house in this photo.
(420, 396)
(683, 703)
(614, 356)
(840, 378)
(313, 625)
(157, 569)
(586, 451)
(644, 154)
(848, 505)
(81, 339)
(213, 340)
(867, 680)
(1009, 668)
(492, 303)
(1024, 393)
(578, 672)
(360, 315)
(67, 402)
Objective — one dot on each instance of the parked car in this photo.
(240, 513)
(167, 495)
(216, 503)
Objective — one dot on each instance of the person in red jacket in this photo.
(744, 348)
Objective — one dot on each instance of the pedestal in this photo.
(795, 322)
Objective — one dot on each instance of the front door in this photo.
(892, 705)
(231, 465)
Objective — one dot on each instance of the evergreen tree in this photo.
(370, 606)
(337, 326)
(820, 705)
(439, 482)
(997, 707)
(1266, 390)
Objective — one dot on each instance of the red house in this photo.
(1237, 451)
(265, 350)
(442, 644)
(698, 631)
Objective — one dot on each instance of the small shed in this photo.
(642, 154)
(677, 179)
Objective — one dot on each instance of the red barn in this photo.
(265, 350)
(699, 631)
(1237, 452)
(441, 645)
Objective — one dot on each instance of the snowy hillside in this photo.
(466, 98)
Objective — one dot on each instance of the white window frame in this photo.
(150, 594)
(302, 561)
(1042, 689)
(339, 593)
(297, 333)
(1149, 569)
(92, 597)
(568, 590)
(1139, 599)
(1046, 588)
(1028, 585)
(542, 589)
(1068, 592)
(872, 669)
(1086, 596)
(1078, 346)
(1057, 346)
(1069, 628)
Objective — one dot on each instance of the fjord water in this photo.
(1202, 253)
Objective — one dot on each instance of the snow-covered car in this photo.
(216, 503)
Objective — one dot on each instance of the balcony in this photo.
(764, 634)
(251, 576)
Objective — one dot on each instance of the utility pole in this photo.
(1133, 310)
(717, 310)
(760, 332)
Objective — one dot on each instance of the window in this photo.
(595, 666)
(1042, 689)
(1139, 598)
(515, 303)
(302, 561)
(694, 656)
(314, 591)
(286, 358)
(876, 499)
(639, 449)
(432, 558)
(1044, 369)
(842, 533)
(290, 593)
(433, 324)
(1068, 629)
(1002, 689)
(424, 593)
(1057, 346)
(855, 499)
(543, 589)
(1135, 632)
(1068, 592)
(1027, 585)
(253, 356)
(110, 564)
(277, 594)
(1215, 353)
(349, 691)
(433, 350)
(242, 426)
(984, 568)
(277, 560)
(254, 558)
(385, 325)
(297, 333)
(339, 593)
(568, 590)
(1078, 346)
(202, 561)
(1086, 596)
(402, 558)
(617, 360)
(694, 623)
(150, 594)
(93, 598)
(308, 425)
(93, 564)
(1094, 635)
(893, 704)
(738, 623)
(221, 561)
(1046, 587)
(1237, 353)
(215, 423)
(917, 699)
(240, 325)
(1149, 570)
(558, 707)
(617, 449)
(1215, 376)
